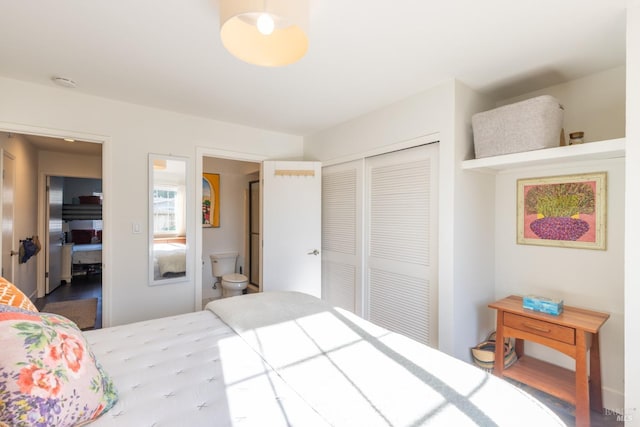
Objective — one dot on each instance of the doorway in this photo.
(230, 232)
(39, 158)
(73, 250)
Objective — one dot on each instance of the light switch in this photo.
(135, 228)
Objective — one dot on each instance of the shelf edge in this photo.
(609, 149)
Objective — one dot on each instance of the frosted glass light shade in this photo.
(286, 44)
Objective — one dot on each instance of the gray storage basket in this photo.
(524, 126)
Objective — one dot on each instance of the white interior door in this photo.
(291, 222)
(342, 235)
(53, 250)
(401, 242)
(8, 251)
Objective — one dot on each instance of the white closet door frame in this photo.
(412, 272)
(342, 200)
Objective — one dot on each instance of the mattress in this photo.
(169, 259)
(289, 359)
(192, 370)
(86, 254)
(349, 369)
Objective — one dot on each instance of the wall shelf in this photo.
(609, 149)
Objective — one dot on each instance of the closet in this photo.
(379, 238)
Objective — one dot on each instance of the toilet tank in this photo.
(223, 263)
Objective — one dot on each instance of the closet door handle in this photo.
(314, 252)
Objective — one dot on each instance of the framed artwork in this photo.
(567, 211)
(210, 200)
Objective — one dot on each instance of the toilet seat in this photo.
(235, 278)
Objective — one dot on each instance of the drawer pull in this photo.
(536, 327)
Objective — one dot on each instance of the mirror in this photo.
(168, 220)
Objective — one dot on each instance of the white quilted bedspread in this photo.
(192, 370)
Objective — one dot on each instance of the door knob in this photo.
(314, 252)
(13, 253)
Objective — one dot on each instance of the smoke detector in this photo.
(64, 82)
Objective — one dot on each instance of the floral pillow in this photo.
(11, 295)
(48, 374)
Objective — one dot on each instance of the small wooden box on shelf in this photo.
(574, 333)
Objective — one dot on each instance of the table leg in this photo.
(595, 376)
(582, 381)
(499, 359)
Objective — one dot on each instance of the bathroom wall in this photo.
(231, 236)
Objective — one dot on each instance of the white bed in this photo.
(169, 260)
(86, 253)
(289, 359)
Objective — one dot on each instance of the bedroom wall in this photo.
(130, 133)
(591, 279)
(231, 235)
(475, 206)
(25, 216)
(583, 278)
(465, 282)
(594, 104)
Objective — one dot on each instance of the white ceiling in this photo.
(363, 54)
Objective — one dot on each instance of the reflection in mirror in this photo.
(167, 219)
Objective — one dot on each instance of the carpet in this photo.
(81, 311)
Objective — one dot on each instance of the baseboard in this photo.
(613, 400)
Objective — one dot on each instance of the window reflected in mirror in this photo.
(167, 219)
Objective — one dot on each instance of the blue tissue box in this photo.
(542, 304)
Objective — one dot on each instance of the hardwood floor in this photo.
(81, 287)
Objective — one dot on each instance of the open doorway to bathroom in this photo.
(226, 221)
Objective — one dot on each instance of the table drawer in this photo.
(540, 328)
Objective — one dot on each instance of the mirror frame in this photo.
(188, 219)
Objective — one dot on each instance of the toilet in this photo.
(223, 269)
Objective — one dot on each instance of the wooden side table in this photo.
(574, 332)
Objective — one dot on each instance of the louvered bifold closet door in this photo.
(341, 235)
(401, 233)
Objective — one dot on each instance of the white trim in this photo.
(4, 153)
(51, 133)
(201, 153)
(397, 146)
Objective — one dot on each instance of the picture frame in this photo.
(211, 200)
(566, 211)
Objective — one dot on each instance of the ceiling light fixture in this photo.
(159, 164)
(269, 33)
(69, 139)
